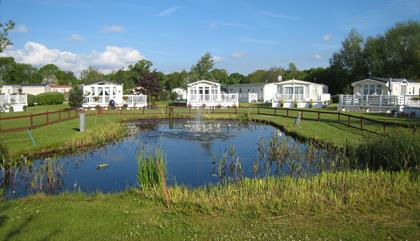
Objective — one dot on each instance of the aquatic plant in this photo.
(151, 169)
(321, 192)
(399, 150)
(228, 167)
(47, 176)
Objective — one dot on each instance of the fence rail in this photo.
(19, 123)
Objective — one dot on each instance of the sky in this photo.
(241, 35)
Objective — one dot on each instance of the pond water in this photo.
(189, 147)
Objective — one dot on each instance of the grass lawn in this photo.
(365, 205)
(328, 130)
(353, 205)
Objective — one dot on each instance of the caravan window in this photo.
(299, 90)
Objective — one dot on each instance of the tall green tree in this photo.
(91, 75)
(236, 78)
(5, 28)
(219, 75)
(201, 70)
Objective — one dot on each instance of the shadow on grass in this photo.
(13, 233)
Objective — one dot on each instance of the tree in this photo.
(236, 78)
(91, 75)
(76, 97)
(219, 75)
(402, 50)
(141, 67)
(176, 79)
(201, 70)
(348, 64)
(150, 85)
(4, 31)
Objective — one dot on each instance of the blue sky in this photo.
(241, 35)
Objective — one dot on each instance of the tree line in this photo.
(396, 53)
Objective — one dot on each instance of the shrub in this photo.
(76, 97)
(335, 99)
(311, 103)
(31, 100)
(281, 103)
(50, 98)
(164, 95)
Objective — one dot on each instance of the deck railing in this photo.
(214, 98)
(379, 102)
(20, 99)
(134, 99)
(126, 99)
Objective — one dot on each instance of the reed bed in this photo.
(277, 195)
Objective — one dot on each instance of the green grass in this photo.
(351, 205)
(47, 138)
(346, 206)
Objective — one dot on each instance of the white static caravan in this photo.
(181, 94)
(106, 93)
(205, 93)
(13, 102)
(376, 94)
(300, 94)
(254, 92)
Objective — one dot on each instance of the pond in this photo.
(191, 147)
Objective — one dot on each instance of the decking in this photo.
(212, 100)
(13, 102)
(377, 103)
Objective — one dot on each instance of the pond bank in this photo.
(356, 205)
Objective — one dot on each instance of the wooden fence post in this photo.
(258, 110)
(275, 111)
(338, 114)
(236, 110)
(59, 115)
(48, 117)
(301, 114)
(32, 121)
(319, 115)
(384, 127)
(68, 115)
(143, 110)
(121, 109)
(361, 122)
(348, 121)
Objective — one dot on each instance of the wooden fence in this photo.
(31, 121)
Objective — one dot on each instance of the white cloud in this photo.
(327, 37)
(217, 58)
(75, 38)
(238, 54)
(112, 58)
(282, 16)
(168, 11)
(317, 57)
(216, 25)
(21, 28)
(112, 29)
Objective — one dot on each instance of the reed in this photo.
(228, 167)
(325, 191)
(151, 169)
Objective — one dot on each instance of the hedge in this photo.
(31, 100)
(50, 98)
